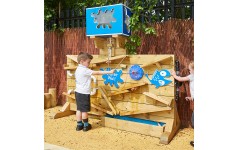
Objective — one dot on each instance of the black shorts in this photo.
(83, 102)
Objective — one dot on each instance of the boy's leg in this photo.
(79, 120)
(87, 126)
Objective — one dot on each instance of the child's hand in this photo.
(112, 71)
(172, 72)
(189, 98)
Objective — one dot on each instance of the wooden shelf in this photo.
(141, 111)
(158, 98)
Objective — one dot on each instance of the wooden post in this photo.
(47, 98)
(53, 101)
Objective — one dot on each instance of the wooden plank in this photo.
(139, 98)
(164, 90)
(137, 107)
(158, 98)
(133, 59)
(151, 130)
(154, 62)
(65, 107)
(141, 111)
(47, 102)
(166, 137)
(73, 58)
(134, 99)
(70, 67)
(158, 65)
(101, 109)
(120, 40)
(62, 114)
(98, 61)
(109, 102)
(99, 42)
(69, 95)
(96, 112)
(133, 86)
(118, 92)
(53, 99)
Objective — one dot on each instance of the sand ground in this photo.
(62, 132)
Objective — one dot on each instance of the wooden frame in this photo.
(138, 99)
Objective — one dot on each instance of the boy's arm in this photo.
(103, 72)
(180, 79)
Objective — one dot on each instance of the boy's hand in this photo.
(189, 98)
(112, 71)
(172, 72)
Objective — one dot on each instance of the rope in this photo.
(120, 62)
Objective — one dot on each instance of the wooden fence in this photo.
(174, 37)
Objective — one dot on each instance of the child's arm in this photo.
(103, 72)
(180, 79)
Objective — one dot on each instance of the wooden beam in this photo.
(99, 41)
(98, 61)
(65, 107)
(101, 109)
(53, 100)
(157, 61)
(158, 98)
(96, 112)
(68, 95)
(158, 65)
(73, 57)
(47, 103)
(120, 40)
(166, 137)
(134, 85)
(142, 111)
(119, 92)
(70, 67)
(146, 129)
(109, 102)
(62, 114)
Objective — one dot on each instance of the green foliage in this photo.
(141, 9)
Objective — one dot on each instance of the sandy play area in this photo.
(62, 132)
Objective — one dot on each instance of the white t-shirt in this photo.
(191, 84)
(83, 79)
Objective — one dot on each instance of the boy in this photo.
(189, 78)
(83, 89)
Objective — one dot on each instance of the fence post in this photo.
(192, 10)
(72, 18)
(183, 9)
(61, 19)
(83, 19)
(77, 21)
(166, 10)
(172, 8)
(67, 18)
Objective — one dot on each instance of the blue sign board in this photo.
(158, 78)
(108, 20)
